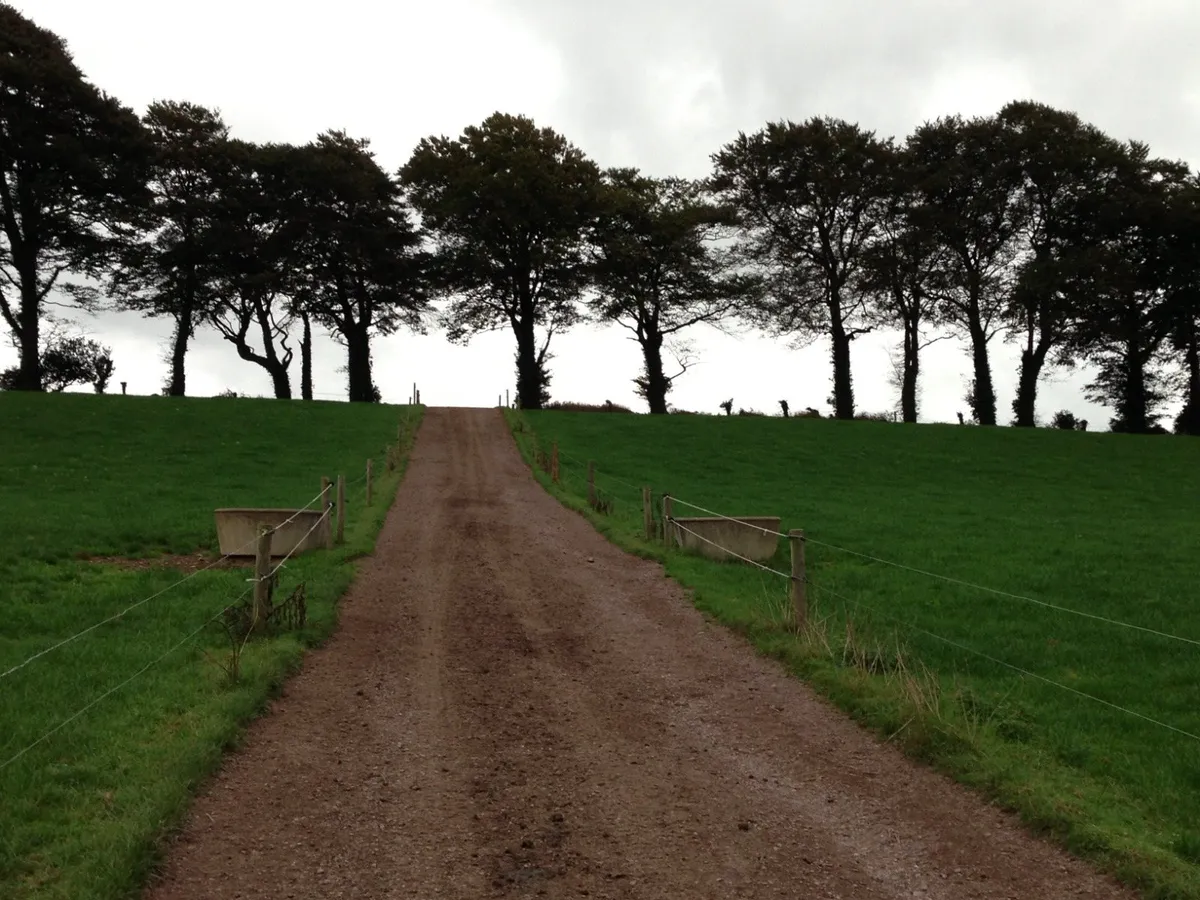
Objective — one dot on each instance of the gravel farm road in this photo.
(512, 707)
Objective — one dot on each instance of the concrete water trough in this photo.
(744, 535)
(237, 530)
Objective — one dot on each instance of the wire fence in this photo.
(120, 685)
(912, 626)
(949, 579)
(1024, 672)
(326, 509)
(140, 603)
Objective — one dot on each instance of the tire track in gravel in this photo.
(512, 707)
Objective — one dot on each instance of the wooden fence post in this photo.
(262, 578)
(369, 467)
(554, 462)
(327, 511)
(666, 520)
(799, 579)
(648, 513)
(592, 483)
(341, 511)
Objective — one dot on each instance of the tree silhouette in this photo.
(170, 270)
(366, 272)
(510, 206)
(967, 202)
(656, 271)
(72, 179)
(808, 197)
(1067, 168)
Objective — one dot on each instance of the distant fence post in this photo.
(667, 520)
(262, 578)
(592, 483)
(799, 579)
(648, 513)
(554, 462)
(327, 511)
(369, 467)
(341, 510)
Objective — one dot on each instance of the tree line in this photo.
(1030, 225)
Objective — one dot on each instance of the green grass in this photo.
(82, 812)
(1105, 524)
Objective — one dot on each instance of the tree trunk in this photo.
(29, 376)
(1135, 405)
(843, 384)
(277, 368)
(358, 364)
(656, 379)
(531, 377)
(306, 385)
(912, 368)
(176, 383)
(1189, 417)
(1033, 359)
(983, 402)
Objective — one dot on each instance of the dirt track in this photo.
(513, 707)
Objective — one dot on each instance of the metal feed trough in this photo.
(753, 537)
(237, 530)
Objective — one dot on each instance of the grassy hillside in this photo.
(138, 477)
(1106, 525)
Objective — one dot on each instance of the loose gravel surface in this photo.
(512, 707)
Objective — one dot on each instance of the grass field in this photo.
(1103, 524)
(81, 811)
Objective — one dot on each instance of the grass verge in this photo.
(1093, 523)
(85, 805)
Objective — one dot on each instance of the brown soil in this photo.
(187, 563)
(515, 708)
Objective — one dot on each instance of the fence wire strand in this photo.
(727, 550)
(951, 580)
(709, 512)
(67, 721)
(1000, 662)
(1007, 594)
(948, 641)
(65, 641)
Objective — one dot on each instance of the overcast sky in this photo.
(658, 84)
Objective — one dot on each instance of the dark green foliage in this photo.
(568, 406)
(903, 272)
(1067, 167)
(1065, 420)
(169, 270)
(72, 179)
(967, 185)
(1126, 318)
(67, 361)
(808, 198)
(260, 218)
(657, 272)
(510, 206)
(366, 272)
